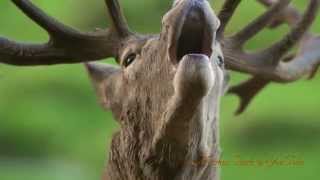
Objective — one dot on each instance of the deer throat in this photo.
(191, 133)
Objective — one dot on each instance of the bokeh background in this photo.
(52, 128)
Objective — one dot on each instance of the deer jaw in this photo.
(167, 99)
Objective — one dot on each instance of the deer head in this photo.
(166, 91)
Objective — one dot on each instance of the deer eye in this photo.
(220, 61)
(129, 60)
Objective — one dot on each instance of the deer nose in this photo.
(191, 29)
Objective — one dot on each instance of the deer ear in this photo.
(99, 74)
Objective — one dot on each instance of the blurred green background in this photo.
(52, 128)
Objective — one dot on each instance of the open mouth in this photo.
(194, 36)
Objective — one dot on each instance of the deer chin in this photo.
(194, 77)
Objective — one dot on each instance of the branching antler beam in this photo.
(258, 24)
(66, 45)
(274, 63)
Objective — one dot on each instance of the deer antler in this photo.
(272, 64)
(225, 15)
(66, 45)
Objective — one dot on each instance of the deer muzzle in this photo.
(192, 29)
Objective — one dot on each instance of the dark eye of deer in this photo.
(129, 60)
(220, 61)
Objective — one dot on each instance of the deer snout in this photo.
(191, 28)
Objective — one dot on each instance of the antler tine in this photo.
(273, 63)
(227, 11)
(247, 91)
(263, 62)
(258, 24)
(52, 26)
(66, 44)
(119, 22)
(283, 46)
(56, 28)
(290, 15)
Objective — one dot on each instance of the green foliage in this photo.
(51, 126)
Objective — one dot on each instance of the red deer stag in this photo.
(166, 92)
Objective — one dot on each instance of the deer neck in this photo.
(195, 146)
(192, 158)
(182, 141)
